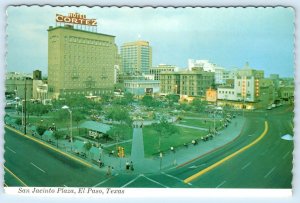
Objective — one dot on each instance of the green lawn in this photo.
(186, 135)
(201, 123)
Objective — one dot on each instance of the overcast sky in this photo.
(228, 37)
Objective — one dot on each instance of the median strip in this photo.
(16, 177)
(50, 147)
(200, 173)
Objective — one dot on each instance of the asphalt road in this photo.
(37, 165)
(267, 164)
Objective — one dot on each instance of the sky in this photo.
(228, 37)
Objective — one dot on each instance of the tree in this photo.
(148, 101)
(77, 116)
(118, 131)
(18, 121)
(198, 105)
(172, 98)
(61, 115)
(57, 135)
(164, 128)
(87, 146)
(41, 130)
(118, 113)
(128, 97)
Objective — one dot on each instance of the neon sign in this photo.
(76, 18)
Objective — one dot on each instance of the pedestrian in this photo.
(131, 166)
(127, 165)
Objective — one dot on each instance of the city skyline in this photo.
(175, 38)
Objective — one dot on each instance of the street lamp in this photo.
(66, 107)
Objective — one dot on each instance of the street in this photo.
(266, 164)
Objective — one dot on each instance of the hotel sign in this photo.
(76, 18)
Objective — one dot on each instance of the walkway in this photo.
(193, 127)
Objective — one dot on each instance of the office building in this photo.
(136, 58)
(186, 83)
(162, 68)
(246, 88)
(80, 62)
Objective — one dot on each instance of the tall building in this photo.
(161, 68)
(80, 61)
(136, 57)
(188, 83)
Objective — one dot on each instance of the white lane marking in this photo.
(11, 150)
(104, 181)
(37, 167)
(286, 155)
(154, 181)
(196, 166)
(269, 172)
(221, 184)
(174, 177)
(245, 166)
(132, 181)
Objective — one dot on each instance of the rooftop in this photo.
(77, 30)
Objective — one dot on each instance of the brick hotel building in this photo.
(80, 61)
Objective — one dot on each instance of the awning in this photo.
(96, 126)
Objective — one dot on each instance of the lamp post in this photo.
(66, 107)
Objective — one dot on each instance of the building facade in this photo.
(15, 85)
(80, 62)
(188, 83)
(162, 68)
(136, 58)
(246, 88)
(140, 87)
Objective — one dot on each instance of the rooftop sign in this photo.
(76, 18)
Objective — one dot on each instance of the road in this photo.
(266, 164)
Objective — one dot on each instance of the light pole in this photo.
(66, 107)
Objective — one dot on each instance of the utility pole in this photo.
(25, 112)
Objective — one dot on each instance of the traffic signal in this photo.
(122, 152)
(119, 151)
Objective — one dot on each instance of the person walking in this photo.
(131, 166)
(127, 166)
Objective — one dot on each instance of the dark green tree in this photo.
(118, 113)
(147, 101)
(18, 121)
(41, 130)
(77, 116)
(57, 135)
(87, 146)
(172, 98)
(163, 129)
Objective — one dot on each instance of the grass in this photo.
(201, 123)
(151, 139)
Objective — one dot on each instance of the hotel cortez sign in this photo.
(76, 18)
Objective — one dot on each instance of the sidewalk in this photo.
(150, 165)
(181, 155)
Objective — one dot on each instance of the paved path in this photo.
(193, 127)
